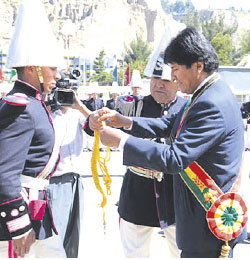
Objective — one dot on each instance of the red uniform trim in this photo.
(7, 202)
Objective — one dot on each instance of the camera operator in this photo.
(65, 192)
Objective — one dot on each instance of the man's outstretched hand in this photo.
(111, 117)
(111, 137)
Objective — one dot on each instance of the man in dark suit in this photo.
(111, 103)
(94, 103)
(205, 155)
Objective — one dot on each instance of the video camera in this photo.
(63, 94)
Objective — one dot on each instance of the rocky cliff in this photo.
(87, 26)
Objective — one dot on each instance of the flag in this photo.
(127, 75)
(115, 74)
(1, 75)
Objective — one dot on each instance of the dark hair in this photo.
(190, 46)
(19, 70)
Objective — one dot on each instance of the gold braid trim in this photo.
(96, 158)
(225, 249)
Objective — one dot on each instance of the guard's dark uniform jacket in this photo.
(146, 201)
(93, 104)
(26, 144)
(212, 135)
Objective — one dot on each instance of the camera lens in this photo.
(60, 98)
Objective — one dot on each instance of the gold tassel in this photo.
(96, 158)
(225, 249)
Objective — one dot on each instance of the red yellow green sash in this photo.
(201, 185)
(226, 213)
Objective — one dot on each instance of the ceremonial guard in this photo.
(28, 150)
(136, 84)
(131, 105)
(146, 201)
(205, 154)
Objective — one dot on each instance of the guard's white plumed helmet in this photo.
(161, 70)
(155, 66)
(136, 80)
(33, 42)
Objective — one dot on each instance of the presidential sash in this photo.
(226, 213)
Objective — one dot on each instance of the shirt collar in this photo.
(203, 83)
(169, 103)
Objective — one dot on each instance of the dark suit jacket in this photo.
(212, 135)
(111, 103)
(92, 104)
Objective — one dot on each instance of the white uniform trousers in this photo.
(47, 248)
(136, 240)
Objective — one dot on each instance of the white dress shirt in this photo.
(69, 131)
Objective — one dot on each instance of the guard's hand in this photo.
(94, 121)
(114, 119)
(110, 136)
(22, 245)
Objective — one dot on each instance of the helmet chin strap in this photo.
(40, 77)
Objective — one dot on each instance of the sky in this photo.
(220, 4)
(238, 4)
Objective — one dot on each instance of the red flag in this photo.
(1, 75)
(127, 75)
